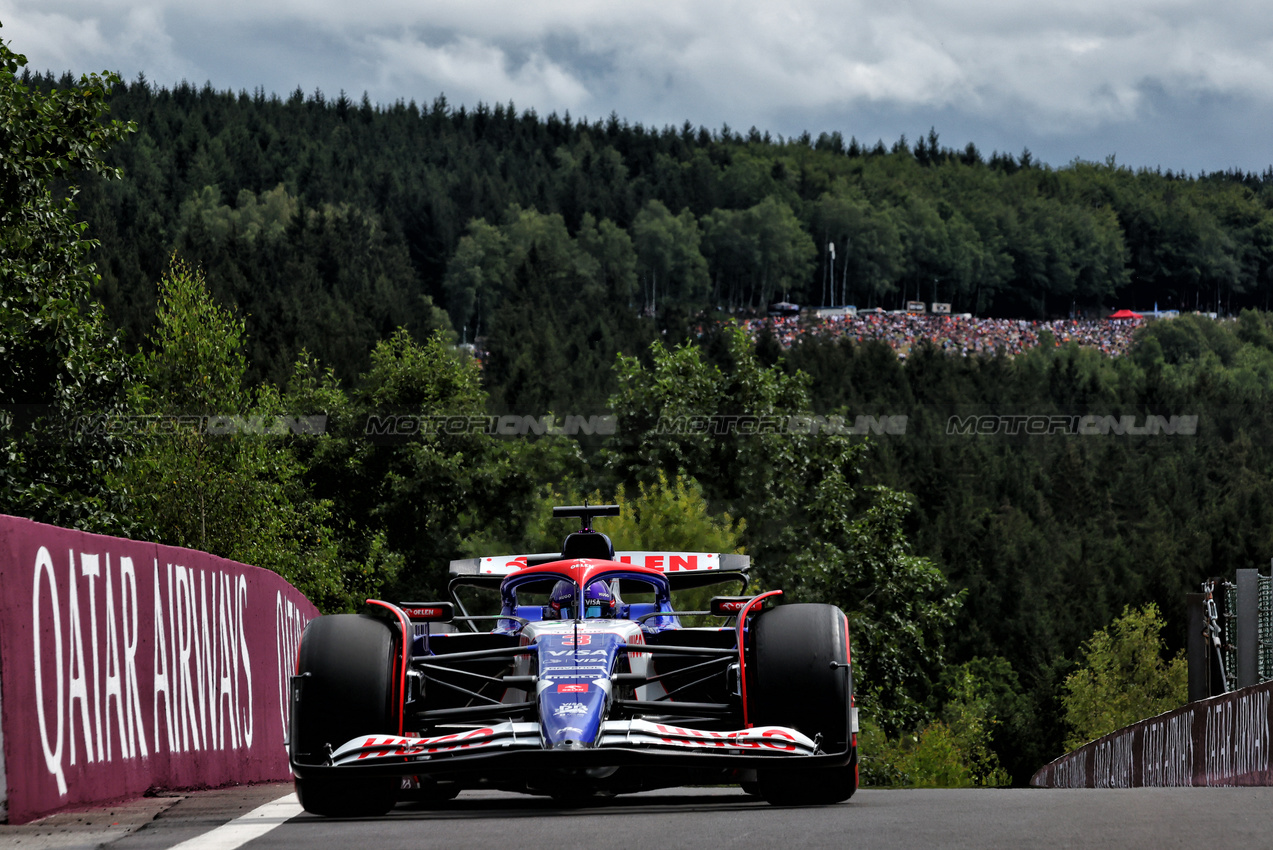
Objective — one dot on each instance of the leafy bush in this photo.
(1123, 678)
(60, 366)
(664, 515)
(951, 752)
(815, 530)
(239, 494)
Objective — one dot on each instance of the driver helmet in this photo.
(561, 600)
(598, 600)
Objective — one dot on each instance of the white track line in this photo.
(254, 824)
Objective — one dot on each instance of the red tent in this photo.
(1124, 314)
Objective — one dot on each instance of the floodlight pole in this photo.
(831, 276)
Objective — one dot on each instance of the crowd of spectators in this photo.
(961, 335)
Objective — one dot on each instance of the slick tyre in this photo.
(347, 662)
(800, 680)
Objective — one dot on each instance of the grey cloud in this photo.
(1055, 74)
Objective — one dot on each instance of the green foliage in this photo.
(329, 279)
(879, 757)
(1051, 536)
(668, 255)
(396, 215)
(869, 245)
(395, 189)
(812, 528)
(429, 378)
(954, 751)
(408, 498)
(62, 373)
(330, 228)
(998, 719)
(760, 254)
(475, 277)
(929, 758)
(664, 515)
(216, 472)
(196, 365)
(899, 605)
(251, 218)
(1122, 678)
(560, 311)
(971, 718)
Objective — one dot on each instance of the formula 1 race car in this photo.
(591, 682)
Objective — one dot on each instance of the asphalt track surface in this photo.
(265, 817)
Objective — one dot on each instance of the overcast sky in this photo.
(1185, 85)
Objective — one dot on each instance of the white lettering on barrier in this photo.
(114, 685)
(87, 691)
(52, 753)
(1113, 762)
(132, 633)
(78, 685)
(241, 602)
(1072, 772)
(181, 620)
(228, 684)
(207, 663)
(89, 568)
(163, 685)
(1167, 752)
(289, 623)
(1237, 742)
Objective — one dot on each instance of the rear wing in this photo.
(673, 564)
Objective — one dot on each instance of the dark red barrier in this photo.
(126, 666)
(1219, 741)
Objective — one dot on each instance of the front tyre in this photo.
(348, 664)
(799, 678)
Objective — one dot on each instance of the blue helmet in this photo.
(598, 600)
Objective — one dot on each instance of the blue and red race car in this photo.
(585, 680)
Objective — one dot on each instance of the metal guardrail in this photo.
(1223, 740)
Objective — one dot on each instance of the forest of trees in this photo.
(329, 222)
(299, 256)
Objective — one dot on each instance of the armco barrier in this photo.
(126, 666)
(1223, 740)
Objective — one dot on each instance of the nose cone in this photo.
(570, 716)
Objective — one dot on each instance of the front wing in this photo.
(513, 744)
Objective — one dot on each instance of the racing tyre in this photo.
(798, 678)
(348, 663)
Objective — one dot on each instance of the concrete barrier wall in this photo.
(1219, 741)
(126, 666)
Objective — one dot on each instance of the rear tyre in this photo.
(794, 682)
(349, 659)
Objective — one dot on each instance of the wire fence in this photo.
(1230, 645)
(1226, 593)
(1266, 628)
